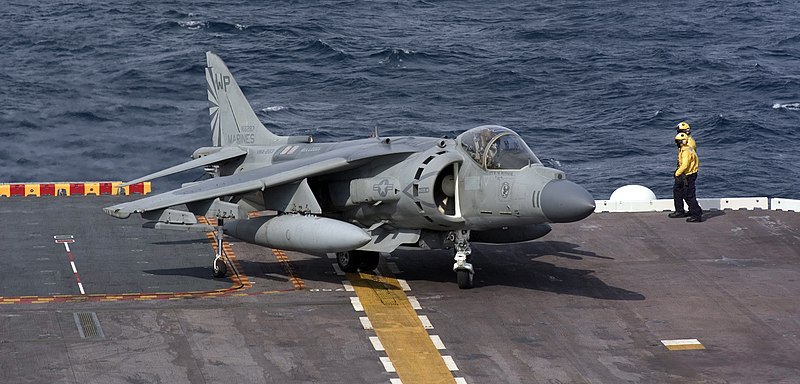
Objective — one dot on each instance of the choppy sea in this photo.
(115, 90)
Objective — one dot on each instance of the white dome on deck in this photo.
(632, 193)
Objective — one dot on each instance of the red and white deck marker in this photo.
(67, 240)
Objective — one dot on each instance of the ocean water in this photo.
(116, 90)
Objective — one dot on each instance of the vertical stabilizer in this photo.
(233, 121)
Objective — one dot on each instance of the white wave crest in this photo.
(192, 24)
(789, 106)
(274, 108)
(396, 56)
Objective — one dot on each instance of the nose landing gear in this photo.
(462, 267)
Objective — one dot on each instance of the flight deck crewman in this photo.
(685, 178)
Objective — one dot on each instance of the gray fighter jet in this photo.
(360, 198)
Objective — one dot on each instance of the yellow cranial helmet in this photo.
(681, 138)
(683, 127)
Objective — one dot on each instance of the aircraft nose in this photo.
(563, 201)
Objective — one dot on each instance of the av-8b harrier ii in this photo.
(362, 197)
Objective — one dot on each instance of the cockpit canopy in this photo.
(496, 147)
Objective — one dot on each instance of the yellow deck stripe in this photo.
(296, 281)
(406, 342)
(685, 347)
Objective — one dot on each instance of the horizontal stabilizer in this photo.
(225, 153)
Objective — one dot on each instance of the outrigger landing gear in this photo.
(462, 266)
(220, 269)
(219, 266)
(353, 261)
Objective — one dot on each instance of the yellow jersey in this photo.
(691, 143)
(687, 161)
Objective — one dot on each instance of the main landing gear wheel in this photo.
(220, 268)
(369, 260)
(348, 261)
(353, 261)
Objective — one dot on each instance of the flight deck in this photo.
(617, 297)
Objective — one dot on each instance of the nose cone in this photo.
(563, 201)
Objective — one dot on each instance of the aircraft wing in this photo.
(225, 153)
(260, 178)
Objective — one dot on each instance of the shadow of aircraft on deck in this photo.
(515, 265)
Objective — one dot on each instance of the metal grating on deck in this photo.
(88, 325)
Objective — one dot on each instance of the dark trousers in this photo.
(686, 192)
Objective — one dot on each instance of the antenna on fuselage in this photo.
(376, 135)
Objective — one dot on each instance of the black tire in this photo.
(220, 268)
(464, 279)
(369, 261)
(349, 261)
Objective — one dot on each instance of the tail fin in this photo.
(233, 121)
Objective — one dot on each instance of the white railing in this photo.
(779, 204)
(661, 205)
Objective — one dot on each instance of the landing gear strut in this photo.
(462, 266)
(219, 266)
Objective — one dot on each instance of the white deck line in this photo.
(437, 342)
(681, 342)
(426, 323)
(356, 304)
(414, 302)
(404, 285)
(365, 323)
(387, 364)
(376, 343)
(450, 363)
(348, 286)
